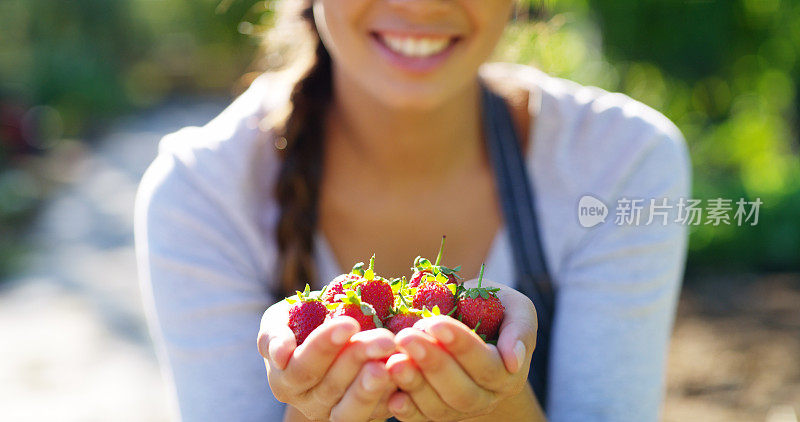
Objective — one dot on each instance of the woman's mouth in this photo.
(414, 53)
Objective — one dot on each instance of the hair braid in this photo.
(299, 178)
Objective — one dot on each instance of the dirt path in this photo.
(75, 346)
(735, 353)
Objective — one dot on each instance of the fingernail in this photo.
(341, 335)
(519, 352)
(416, 350)
(370, 381)
(442, 333)
(401, 407)
(406, 376)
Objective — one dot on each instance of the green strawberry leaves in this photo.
(440, 272)
(397, 284)
(448, 271)
(305, 296)
(358, 269)
(422, 264)
(476, 292)
(429, 313)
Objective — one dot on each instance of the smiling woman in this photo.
(392, 131)
(415, 53)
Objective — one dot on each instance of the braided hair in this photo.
(300, 145)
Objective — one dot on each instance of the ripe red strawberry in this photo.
(306, 314)
(417, 277)
(376, 291)
(352, 306)
(406, 316)
(338, 285)
(403, 320)
(425, 271)
(434, 293)
(480, 309)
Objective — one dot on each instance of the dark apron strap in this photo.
(517, 200)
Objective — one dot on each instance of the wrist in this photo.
(522, 406)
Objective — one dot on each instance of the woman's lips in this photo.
(414, 53)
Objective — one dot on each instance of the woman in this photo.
(378, 146)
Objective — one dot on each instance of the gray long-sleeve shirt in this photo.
(207, 254)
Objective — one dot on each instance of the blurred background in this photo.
(88, 87)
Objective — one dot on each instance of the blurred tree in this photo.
(726, 72)
(68, 66)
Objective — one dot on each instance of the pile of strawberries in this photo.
(397, 303)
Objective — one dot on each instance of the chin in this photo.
(410, 96)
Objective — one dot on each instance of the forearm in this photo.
(520, 407)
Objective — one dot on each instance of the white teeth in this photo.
(414, 46)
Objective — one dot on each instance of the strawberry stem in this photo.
(403, 299)
(441, 248)
(480, 275)
(370, 273)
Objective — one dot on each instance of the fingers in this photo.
(443, 373)
(425, 400)
(363, 346)
(381, 411)
(311, 360)
(519, 324)
(517, 338)
(276, 340)
(364, 394)
(403, 408)
(481, 361)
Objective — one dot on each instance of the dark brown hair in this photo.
(300, 143)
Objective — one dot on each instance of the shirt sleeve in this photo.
(204, 294)
(617, 291)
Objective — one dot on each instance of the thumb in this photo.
(517, 338)
(276, 341)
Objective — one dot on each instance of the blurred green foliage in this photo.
(725, 71)
(68, 66)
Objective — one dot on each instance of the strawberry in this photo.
(436, 293)
(425, 271)
(352, 306)
(405, 316)
(481, 310)
(402, 320)
(418, 276)
(338, 285)
(306, 314)
(376, 291)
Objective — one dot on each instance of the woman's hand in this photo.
(447, 372)
(330, 376)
